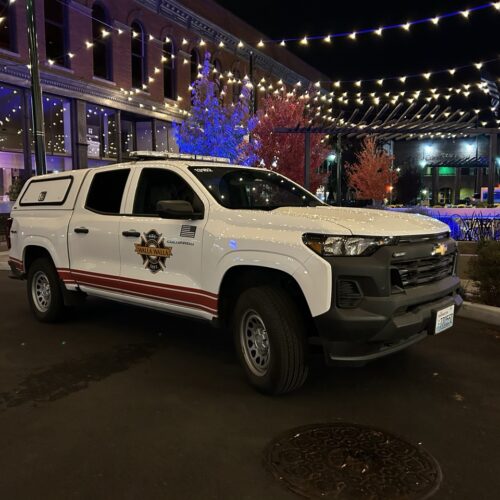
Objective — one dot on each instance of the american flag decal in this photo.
(492, 87)
(188, 231)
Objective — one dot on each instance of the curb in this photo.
(479, 312)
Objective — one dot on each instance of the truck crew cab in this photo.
(243, 247)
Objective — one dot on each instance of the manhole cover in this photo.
(351, 462)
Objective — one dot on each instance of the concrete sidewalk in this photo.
(4, 256)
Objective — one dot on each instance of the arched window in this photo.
(102, 42)
(237, 85)
(195, 61)
(138, 55)
(169, 83)
(56, 47)
(217, 70)
(7, 24)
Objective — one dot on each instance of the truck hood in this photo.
(359, 221)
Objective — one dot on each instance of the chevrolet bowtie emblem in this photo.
(439, 249)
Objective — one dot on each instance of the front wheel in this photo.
(44, 291)
(270, 340)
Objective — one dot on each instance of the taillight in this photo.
(8, 226)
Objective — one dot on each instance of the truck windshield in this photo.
(252, 189)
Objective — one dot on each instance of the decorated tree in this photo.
(371, 175)
(283, 152)
(212, 128)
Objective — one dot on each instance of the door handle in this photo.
(81, 230)
(132, 233)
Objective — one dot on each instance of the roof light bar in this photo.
(153, 155)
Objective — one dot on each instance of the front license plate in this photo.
(444, 319)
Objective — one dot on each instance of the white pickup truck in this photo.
(245, 248)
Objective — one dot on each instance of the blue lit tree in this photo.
(212, 128)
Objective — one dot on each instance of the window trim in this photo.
(170, 69)
(51, 203)
(144, 54)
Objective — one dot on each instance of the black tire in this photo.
(47, 307)
(263, 316)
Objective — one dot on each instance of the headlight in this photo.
(344, 246)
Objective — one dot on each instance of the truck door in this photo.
(93, 233)
(161, 258)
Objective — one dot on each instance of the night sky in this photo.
(456, 41)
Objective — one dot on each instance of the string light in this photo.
(402, 25)
(329, 38)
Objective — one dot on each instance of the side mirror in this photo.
(176, 209)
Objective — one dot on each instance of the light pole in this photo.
(36, 91)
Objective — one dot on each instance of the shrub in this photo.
(486, 269)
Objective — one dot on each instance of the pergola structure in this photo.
(401, 123)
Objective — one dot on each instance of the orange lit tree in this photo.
(371, 176)
(281, 152)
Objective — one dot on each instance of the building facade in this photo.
(116, 74)
(461, 166)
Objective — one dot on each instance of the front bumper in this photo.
(386, 318)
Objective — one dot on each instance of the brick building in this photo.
(110, 83)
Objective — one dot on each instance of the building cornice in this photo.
(188, 19)
(68, 87)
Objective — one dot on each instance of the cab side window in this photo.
(156, 185)
(106, 191)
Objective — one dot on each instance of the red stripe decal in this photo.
(184, 296)
(137, 281)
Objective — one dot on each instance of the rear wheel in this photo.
(270, 340)
(44, 291)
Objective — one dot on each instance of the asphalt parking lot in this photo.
(119, 402)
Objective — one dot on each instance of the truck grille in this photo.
(425, 270)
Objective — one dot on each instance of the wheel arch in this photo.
(32, 252)
(241, 277)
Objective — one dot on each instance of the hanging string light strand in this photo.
(381, 29)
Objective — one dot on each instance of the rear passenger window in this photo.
(106, 191)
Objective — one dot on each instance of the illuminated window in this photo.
(446, 171)
(101, 133)
(55, 33)
(137, 133)
(102, 42)
(165, 140)
(138, 45)
(11, 139)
